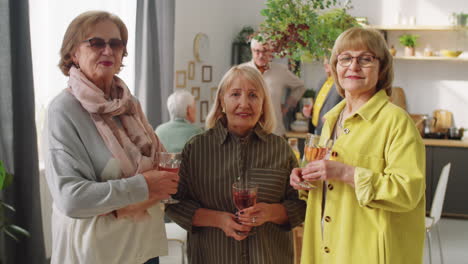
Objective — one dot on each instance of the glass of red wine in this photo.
(169, 161)
(244, 195)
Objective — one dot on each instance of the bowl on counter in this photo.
(450, 53)
(300, 126)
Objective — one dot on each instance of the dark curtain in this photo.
(18, 145)
(154, 63)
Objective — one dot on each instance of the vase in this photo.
(409, 51)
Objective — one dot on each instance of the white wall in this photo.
(429, 85)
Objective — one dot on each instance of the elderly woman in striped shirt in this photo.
(238, 144)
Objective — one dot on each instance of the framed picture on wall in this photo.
(191, 70)
(203, 110)
(196, 93)
(213, 93)
(206, 73)
(181, 80)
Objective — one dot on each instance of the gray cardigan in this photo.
(76, 160)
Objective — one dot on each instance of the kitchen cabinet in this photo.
(456, 197)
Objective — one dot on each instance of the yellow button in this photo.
(334, 154)
(346, 130)
(330, 186)
(326, 249)
(327, 219)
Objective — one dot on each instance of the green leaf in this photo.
(19, 230)
(10, 234)
(11, 208)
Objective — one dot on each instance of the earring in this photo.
(223, 110)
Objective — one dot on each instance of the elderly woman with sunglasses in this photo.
(102, 155)
(369, 204)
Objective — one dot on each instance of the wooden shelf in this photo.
(432, 58)
(418, 28)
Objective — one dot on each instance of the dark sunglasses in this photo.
(99, 44)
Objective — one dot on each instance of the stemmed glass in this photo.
(169, 161)
(244, 195)
(314, 151)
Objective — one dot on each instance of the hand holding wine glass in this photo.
(313, 151)
(244, 195)
(169, 162)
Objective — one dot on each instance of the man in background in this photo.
(326, 98)
(278, 80)
(175, 133)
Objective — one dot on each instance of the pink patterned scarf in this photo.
(133, 141)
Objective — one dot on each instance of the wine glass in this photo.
(244, 195)
(169, 161)
(313, 150)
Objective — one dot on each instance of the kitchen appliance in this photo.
(443, 120)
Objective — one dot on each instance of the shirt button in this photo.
(334, 154)
(330, 186)
(346, 130)
(327, 219)
(326, 249)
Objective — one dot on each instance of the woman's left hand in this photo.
(325, 170)
(261, 213)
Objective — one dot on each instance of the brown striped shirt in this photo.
(213, 161)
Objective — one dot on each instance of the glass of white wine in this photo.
(313, 150)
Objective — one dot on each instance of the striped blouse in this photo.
(212, 162)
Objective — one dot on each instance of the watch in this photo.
(201, 46)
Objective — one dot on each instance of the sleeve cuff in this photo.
(296, 213)
(182, 213)
(138, 189)
(364, 185)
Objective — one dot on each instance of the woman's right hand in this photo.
(161, 184)
(230, 227)
(295, 178)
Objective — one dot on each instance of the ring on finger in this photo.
(254, 220)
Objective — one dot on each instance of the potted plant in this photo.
(303, 29)
(409, 41)
(5, 225)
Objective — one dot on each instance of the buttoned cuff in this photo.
(364, 185)
(182, 213)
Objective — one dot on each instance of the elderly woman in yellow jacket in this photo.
(369, 204)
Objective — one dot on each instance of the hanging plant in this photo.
(299, 29)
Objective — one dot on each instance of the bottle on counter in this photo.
(293, 143)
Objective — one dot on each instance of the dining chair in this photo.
(432, 220)
(179, 235)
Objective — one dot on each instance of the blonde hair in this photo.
(253, 76)
(79, 28)
(361, 38)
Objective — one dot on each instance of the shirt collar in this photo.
(367, 111)
(179, 119)
(265, 68)
(222, 133)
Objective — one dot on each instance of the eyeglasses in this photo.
(257, 51)
(364, 61)
(99, 44)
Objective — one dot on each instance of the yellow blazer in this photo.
(381, 220)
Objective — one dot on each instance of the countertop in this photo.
(427, 142)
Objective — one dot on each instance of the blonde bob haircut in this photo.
(365, 39)
(253, 76)
(79, 29)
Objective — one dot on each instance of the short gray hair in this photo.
(178, 102)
